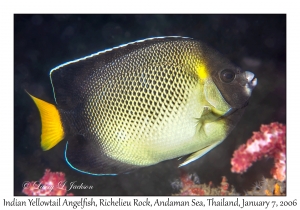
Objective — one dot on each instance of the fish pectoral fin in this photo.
(206, 110)
(208, 115)
(199, 154)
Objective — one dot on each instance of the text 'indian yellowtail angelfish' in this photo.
(142, 103)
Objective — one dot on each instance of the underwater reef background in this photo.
(41, 42)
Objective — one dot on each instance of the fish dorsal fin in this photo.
(71, 78)
(199, 154)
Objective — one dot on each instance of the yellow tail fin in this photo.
(52, 129)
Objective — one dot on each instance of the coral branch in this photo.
(52, 183)
(224, 186)
(269, 142)
(189, 184)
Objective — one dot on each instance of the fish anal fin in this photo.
(85, 155)
(199, 154)
(52, 129)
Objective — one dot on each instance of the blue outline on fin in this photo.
(81, 170)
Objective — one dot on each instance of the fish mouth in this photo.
(252, 80)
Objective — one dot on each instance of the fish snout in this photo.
(251, 80)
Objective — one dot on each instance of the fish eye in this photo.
(227, 75)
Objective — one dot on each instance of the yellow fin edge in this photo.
(52, 129)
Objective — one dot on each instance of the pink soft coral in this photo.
(52, 183)
(269, 142)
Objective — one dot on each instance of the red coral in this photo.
(224, 186)
(186, 180)
(193, 191)
(189, 184)
(52, 183)
(269, 142)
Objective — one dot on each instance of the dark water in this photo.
(41, 42)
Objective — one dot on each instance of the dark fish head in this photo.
(235, 84)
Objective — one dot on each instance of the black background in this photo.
(41, 42)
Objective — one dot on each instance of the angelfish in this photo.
(142, 103)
